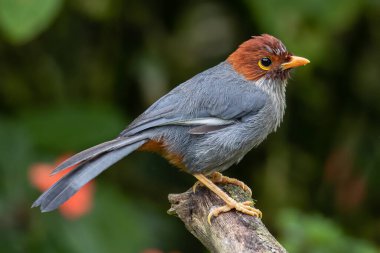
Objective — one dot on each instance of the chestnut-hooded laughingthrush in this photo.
(202, 126)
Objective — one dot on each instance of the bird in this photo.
(203, 126)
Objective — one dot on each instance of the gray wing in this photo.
(210, 101)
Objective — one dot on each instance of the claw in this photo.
(196, 185)
(216, 211)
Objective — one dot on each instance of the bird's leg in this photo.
(217, 177)
(244, 207)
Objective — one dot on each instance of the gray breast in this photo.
(276, 91)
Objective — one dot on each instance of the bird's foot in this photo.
(218, 178)
(243, 207)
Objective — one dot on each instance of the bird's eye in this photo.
(264, 63)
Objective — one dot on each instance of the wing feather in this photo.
(210, 101)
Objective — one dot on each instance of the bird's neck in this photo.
(276, 91)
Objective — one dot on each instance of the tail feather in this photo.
(75, 179)
(95, 151)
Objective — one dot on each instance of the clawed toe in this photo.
(196, 185)
(216, 211)
(247, 208)
(243, 207)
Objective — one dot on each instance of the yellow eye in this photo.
(265, 63)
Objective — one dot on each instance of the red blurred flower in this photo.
(77, 205)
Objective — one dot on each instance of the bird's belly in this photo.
(213, 151)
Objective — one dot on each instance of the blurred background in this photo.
(75, 73)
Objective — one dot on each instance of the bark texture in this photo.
(229, 232)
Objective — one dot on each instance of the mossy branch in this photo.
(229, 232)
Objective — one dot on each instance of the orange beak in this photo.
(295, 61)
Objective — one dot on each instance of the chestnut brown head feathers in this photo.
(264, 56)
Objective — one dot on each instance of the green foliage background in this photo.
(74, 73)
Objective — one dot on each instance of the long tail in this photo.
(92, 162)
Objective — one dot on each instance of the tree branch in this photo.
(229, 232)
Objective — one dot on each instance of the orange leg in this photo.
(217, 177)
(244, 207)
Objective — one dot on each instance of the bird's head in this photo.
(264, 56)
